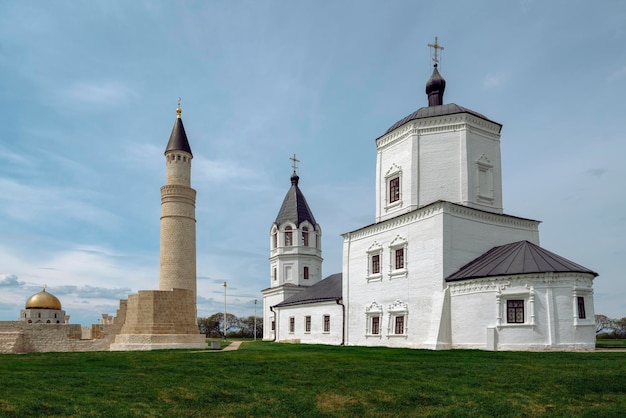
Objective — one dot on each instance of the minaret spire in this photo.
(436, 85)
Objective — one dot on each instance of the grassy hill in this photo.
(268, 379)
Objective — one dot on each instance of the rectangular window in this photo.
(307, 324)
(326, 323)
(515, 311)
(399, 325)
(306, 273)
(400, 258)
(375, 263)
(274, 274)
(394, 189)
(581, 307)
(292, 324)
(376, 325)
(273, 325)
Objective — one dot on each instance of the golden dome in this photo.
(43, 300)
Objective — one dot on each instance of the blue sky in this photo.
(88, 93)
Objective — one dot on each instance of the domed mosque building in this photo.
(43, 308)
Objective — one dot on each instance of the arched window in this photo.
(305, 236)
(274, 239)
(288, 237)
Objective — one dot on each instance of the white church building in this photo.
(442, 266)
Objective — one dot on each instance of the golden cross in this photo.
(295, 162)
(436, 46)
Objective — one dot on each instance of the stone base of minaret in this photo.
(160, 319)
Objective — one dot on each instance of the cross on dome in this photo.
(294, 165)
(435, 46)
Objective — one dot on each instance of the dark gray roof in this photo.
(432, 111)
(295, 208)
(520, 257)
(178, 138)
(325, 290)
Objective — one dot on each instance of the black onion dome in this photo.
(435, 88)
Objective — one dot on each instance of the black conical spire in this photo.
(178, 137)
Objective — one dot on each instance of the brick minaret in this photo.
(178, 215)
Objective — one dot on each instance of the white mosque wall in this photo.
(317, 334)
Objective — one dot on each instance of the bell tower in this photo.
(295, 251)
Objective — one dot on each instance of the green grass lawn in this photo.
(610, 343)
(269, 379)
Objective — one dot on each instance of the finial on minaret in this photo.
(435, 46)
(178, 109)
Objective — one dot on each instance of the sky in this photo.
(88, 93)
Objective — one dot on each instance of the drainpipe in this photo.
(275, 324)
(343, 325)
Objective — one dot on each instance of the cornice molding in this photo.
(440, 124)
(440, 208)
(501, 284)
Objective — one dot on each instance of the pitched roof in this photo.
(517, 258)
(441, 110)
(295, 208)
(325, 290)
(178, 138)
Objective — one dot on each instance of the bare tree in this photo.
(603, 324)
(620, 327)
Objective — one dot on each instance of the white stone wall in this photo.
(272, 297)
(317, 335)
(551, 322)
(440, 159)
(438, 239)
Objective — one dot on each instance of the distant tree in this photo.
(620, 327)
(247, 327)
(603, 324)
(213, 326)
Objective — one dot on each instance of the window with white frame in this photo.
(581, 310)
(306, 273)
(373, 317)
(397, 257)
(516, 308)
(274, 238)
(326, 322)
(307, 324)
(374, 262)
(292, 324)
(398, 315)
(393, 184)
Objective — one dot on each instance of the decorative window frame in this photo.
(374, 249)
(586, 293)
(397, 244)
(527, 296)
(395, 171)
(307, 324)
(325, 330)
(396, 309)
(292, 324)
(373, 311)
(484, 188)
(288, 234)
